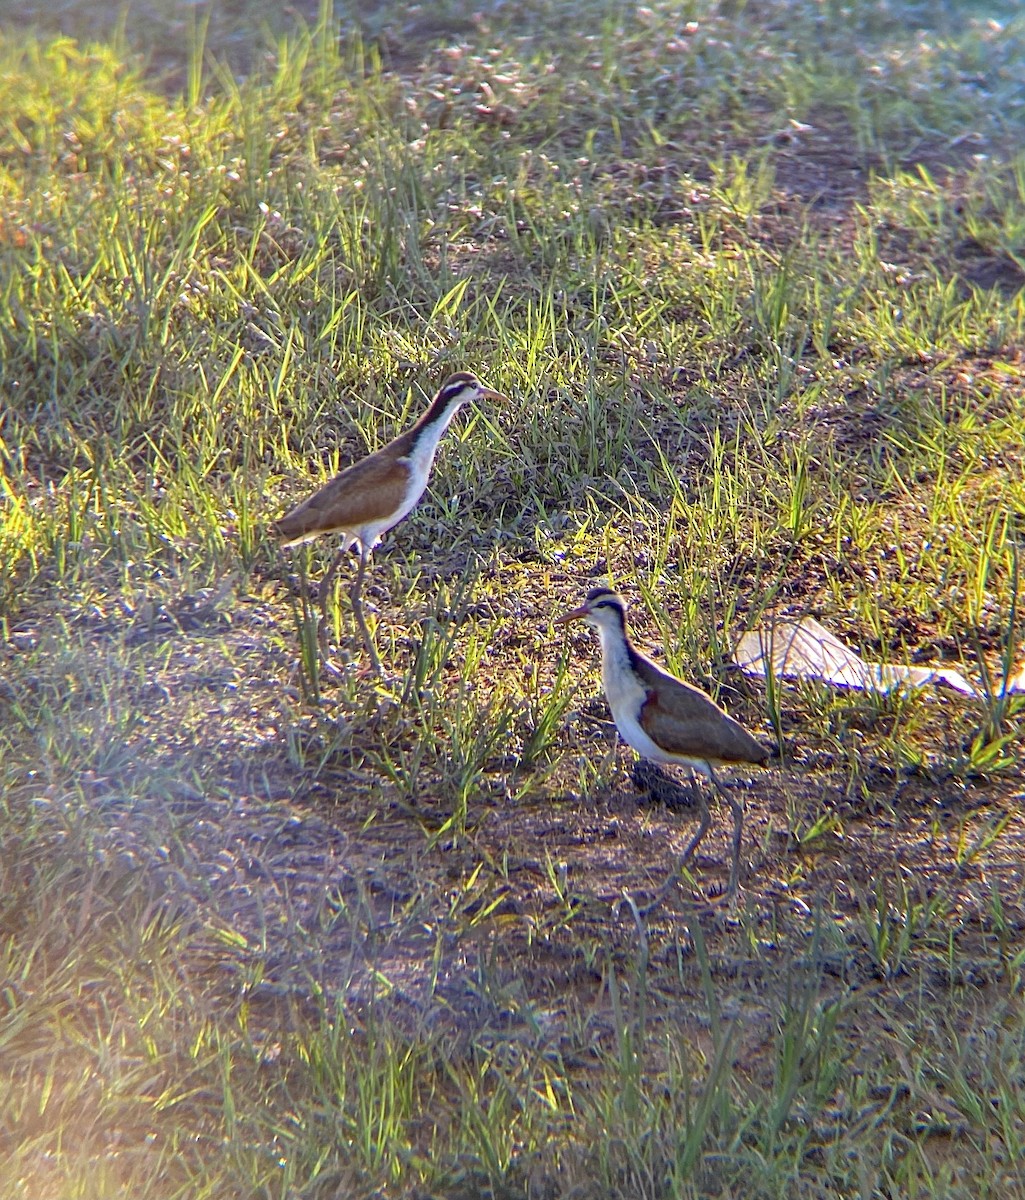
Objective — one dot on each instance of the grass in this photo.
(753, 283)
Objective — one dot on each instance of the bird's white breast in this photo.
(419, 461)
(626, 695)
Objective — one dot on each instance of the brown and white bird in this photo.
(369, 497)
(667, 720)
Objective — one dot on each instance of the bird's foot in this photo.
(330, 668)
(325, 656)
(349, 668)
(717, 908)
(384, 682)
(725, 904)
(730, 898)
(660, 897)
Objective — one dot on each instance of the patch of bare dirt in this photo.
(331, 882)
(982, 268)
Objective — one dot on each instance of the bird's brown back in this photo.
(684, 720)
(360, 495)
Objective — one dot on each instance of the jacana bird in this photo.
(667, 720)
(369, 497)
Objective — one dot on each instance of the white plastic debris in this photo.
(1017, 682)
(805, 649)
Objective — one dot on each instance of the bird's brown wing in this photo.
(685, 720)
(362, 494)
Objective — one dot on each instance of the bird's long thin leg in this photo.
(328, 582)
(738, 834)
(326, 589)
(357, 608)
(687, 855)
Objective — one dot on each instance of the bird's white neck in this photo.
(617, 673)
(625, 691)
(421, 457)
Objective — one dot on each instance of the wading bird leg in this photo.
(687, 855)
(357, 608)
(738, 833)
(328, 582)
(326, 590)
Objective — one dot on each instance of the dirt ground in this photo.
(324, 878)
(327, 881)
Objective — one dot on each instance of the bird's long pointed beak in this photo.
(488, 394)
(575, 614)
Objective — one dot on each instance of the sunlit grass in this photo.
(753, 282)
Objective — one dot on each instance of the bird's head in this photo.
(602, 609)
(464, 388)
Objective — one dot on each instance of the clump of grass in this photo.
(758, 305)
